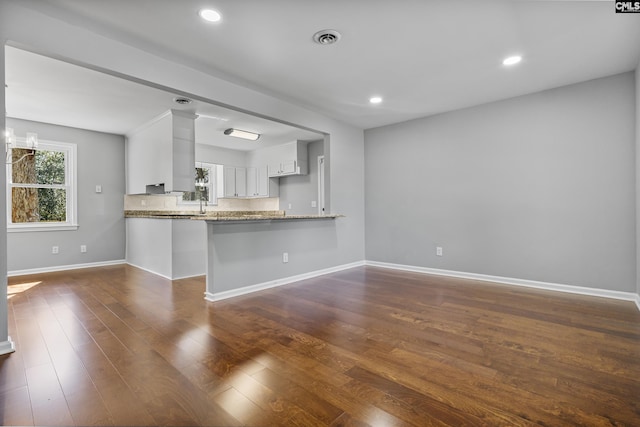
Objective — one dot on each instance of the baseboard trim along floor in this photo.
(581, 290)
(217, 296)
(54, 268)
(7, 346)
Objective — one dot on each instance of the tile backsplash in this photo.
(168, 202)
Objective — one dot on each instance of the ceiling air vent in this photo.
(326, 37)
(182, 100)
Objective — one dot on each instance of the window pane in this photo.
(52, 204)
(23, 170)
(202, 192)
(38, 205)
(43, 167)
(50, 167)
(202, 176)
(24, 207)
(201, 186)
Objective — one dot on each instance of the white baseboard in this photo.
(604, 293)
(190, 276)
(63, 267)
(149, 271)
(217, 296)
(164, 276)
(7, 346)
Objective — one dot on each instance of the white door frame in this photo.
(321, 185)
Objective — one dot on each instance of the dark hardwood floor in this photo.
(367, 346)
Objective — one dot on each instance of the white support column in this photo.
(6, 345)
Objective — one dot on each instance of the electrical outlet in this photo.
(83, 248)
(98, 188)
(289, 205)
(55, 249)
(438, 250)
(314, 204)
(285, 257)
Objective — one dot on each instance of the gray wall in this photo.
(100, 215)
(171, 248)
(251, 253)
(149, 244)
(301, 190)
(188, 248)
(538, 187)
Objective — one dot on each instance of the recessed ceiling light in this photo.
(375, 100)
(512, 60)
(210, 15)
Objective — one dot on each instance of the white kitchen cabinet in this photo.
(163, 152)
(235, 181)
(252, 182)
(259, 184)
(267, 187)
(286, 159)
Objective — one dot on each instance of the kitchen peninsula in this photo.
(176, 244)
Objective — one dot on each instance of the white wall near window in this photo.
(100, 216)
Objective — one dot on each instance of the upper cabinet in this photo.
(252, 182)
(235, 182)
(163, 152)
(259, 184)
(255, 175)
(283, 160)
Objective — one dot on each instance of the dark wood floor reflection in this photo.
(366, 346)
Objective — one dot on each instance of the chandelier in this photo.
(30, 143)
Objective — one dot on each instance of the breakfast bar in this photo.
(243, 251)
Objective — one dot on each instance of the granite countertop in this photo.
(223, 215)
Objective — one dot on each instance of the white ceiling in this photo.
(51, 91)
(422, 56)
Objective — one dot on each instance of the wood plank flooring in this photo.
(367, 346)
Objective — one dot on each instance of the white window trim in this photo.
(71, 186)
(212, 186)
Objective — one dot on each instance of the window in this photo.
(205, 186)
(41, 192)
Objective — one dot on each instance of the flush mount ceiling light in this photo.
(375, 100)
(512, 60)
(326, 37)
(182, 100)
(210, 15)
(242, 134)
